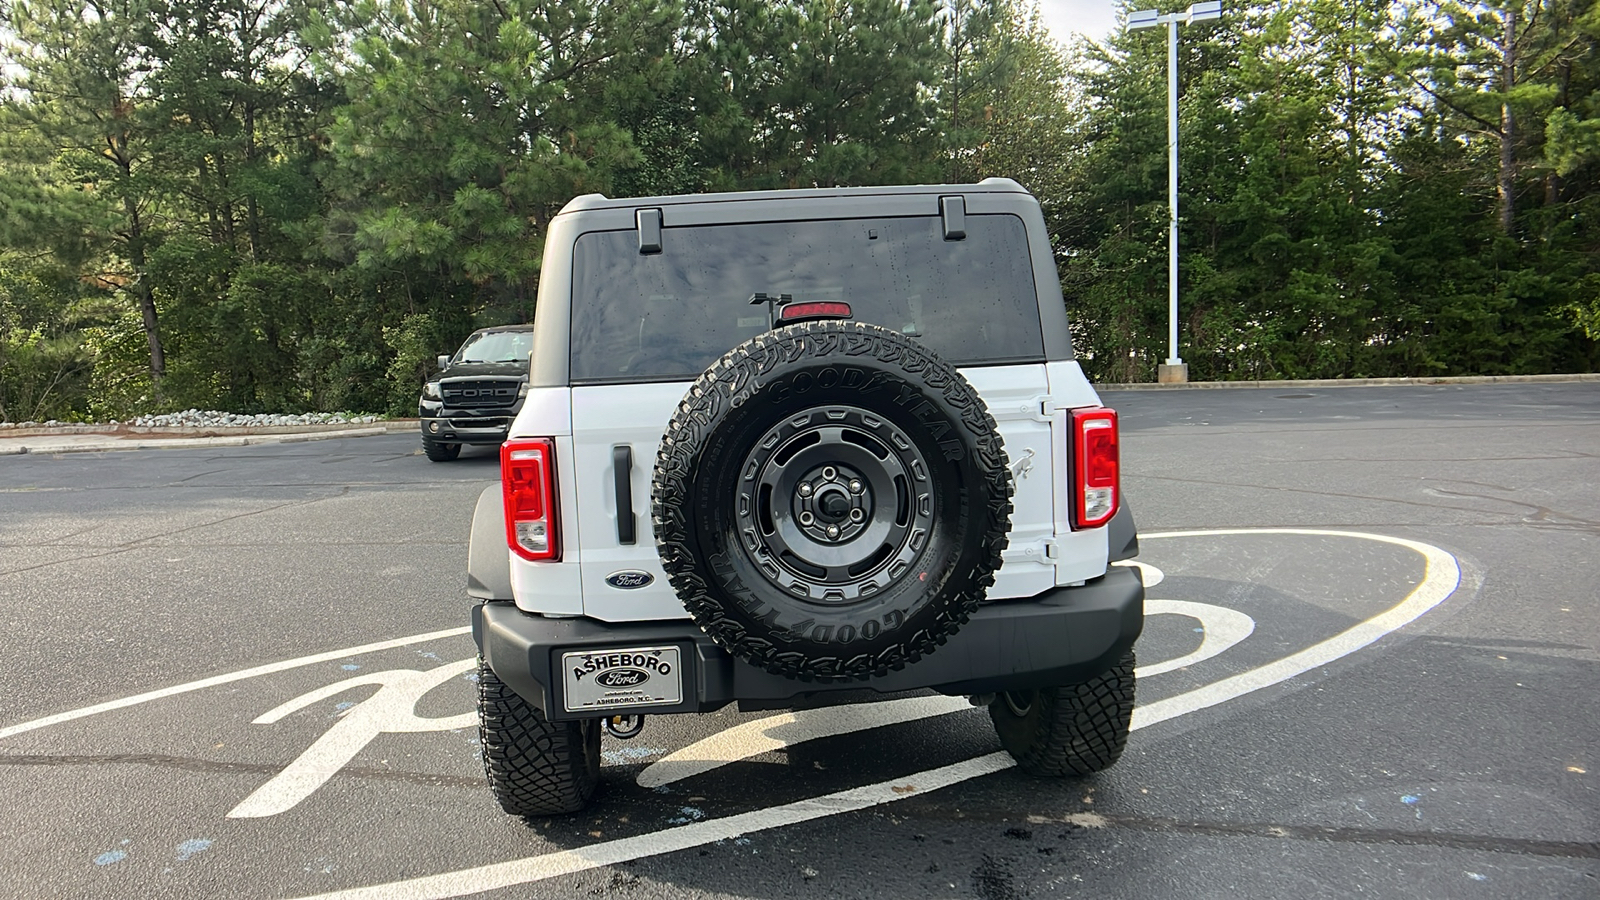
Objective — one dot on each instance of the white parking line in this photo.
(787, 729)
(697, 834)
(256, 672)
(1223, 628)
(1441, 576)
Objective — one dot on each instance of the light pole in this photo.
(1174, 371)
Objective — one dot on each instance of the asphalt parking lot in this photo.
(1371, 668)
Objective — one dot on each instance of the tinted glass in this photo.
(670, 315)
(496, 346)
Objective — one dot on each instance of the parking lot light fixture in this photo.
(1174, 370)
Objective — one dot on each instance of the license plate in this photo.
(621, 678)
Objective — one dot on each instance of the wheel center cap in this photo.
(833, 504)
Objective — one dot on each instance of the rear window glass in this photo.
(670, 315)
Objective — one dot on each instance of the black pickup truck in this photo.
(477, 392)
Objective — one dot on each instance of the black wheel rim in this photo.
(834, 504)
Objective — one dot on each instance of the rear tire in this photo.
(535, 767)
(1079, 729)
(440, 452)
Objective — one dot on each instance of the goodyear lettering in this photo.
(938, 427)
(809, 630)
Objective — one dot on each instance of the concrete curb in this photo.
(43, 444)
(1357, 382)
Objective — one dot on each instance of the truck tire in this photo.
(830, 501)
(440, 452)
(1079, 729)
(535, 767)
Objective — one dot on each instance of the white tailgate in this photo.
(1015, 396)
(1080, 555)
(635, 416)
(605, 417)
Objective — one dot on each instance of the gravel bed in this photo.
(211, 418)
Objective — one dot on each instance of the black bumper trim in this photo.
(451, 430)
(1065, 636)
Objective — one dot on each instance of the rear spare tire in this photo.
(830, 501)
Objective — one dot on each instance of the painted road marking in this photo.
(391, 709)
(1441, 577)
(1150, 575)
(684, 837)
(241, 675)
(1223, 628)
(787, 729)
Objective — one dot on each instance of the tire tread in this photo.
(535, 767)
(1079, 729)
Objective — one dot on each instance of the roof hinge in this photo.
(953, 210)
(649, 223)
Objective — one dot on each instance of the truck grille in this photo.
(480, 392)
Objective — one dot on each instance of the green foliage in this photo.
(292, 205)
(44, 364)
(413, 342)
(1343, 195)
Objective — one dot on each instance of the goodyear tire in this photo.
(830, 501)
(1062, 731)
(535, 767)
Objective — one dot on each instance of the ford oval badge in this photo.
(622, 677)
(629, 580)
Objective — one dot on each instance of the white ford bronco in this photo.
(778, 447)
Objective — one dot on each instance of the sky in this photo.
(1066, 19)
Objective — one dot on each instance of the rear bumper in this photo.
(1066, 636)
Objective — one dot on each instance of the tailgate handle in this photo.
(622, 477)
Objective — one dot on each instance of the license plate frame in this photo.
(621, 678)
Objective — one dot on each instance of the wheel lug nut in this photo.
(829, 473)
(806, 518)
(833, 531)
(805, 489)
(855, 486)
(857, 515)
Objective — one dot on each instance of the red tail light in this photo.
(528, 478)
(1096, 471)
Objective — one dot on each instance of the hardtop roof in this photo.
(495, 328)
(588, 202)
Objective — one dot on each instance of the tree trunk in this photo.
(252, 212)
(141, 290)
(1508, 127)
